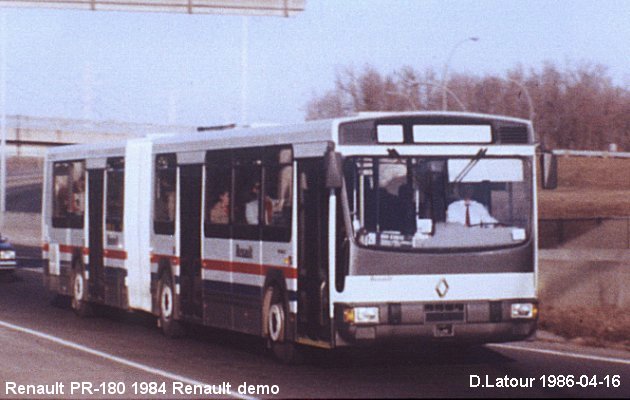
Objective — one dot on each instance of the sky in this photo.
(186, 69)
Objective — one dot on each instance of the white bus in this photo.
(372, 228)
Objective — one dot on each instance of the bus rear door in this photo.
(190, 239)
(95, 200)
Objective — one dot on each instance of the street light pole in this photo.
(446, 64)
(431, 84)
(409, 99)
(449, 91)
(530, 103)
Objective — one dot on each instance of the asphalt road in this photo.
(43, 342)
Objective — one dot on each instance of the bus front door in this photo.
(313, 315)
(190, 240)
(95, 210)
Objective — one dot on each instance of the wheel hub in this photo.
(276, 322)
(78, 286)
(167, 302)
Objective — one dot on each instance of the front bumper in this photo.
(8, 265)
(475, 321)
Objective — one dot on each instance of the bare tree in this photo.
(575, 107)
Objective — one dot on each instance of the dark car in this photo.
(7, 255)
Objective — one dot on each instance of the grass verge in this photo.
(594, 326)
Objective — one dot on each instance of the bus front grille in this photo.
(442, 312)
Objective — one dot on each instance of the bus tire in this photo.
(166, 300)
(276, 328)
(79, 303)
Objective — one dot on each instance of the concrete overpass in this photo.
(30, 136)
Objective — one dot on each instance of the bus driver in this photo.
(468, 211)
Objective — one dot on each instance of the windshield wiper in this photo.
(473, 161)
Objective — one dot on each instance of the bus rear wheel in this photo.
(170, 326)
(79, 303)
(276, 329)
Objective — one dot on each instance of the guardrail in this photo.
(586, 153)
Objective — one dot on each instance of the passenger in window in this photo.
(277, 204)
(468, 211)
(165, 207)
(220, 212)
(285, 177)
(251, 207)
(62, 206)
(78, 196)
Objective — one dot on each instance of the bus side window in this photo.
(115, 193)
(247, 167)
(278, 190)
(218, 195)
(77, 207)
(247, 190)
(69, 194)
(61, 194)
(277, 197)
(165, 196)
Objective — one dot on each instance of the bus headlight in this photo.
(524, 310)
(361, 315)
(7, 255)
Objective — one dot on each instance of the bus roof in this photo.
(318, 131)
(306, 132)
(450, 114)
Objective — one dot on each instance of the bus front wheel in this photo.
(170, 326)
(276, 326)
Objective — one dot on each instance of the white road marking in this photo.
(31, 269)
(563, 353)
(110, 357)
(505, 346)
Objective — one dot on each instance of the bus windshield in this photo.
(415, 203)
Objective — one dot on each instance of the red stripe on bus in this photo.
(155, 258)
(216, 265)
(45, 247)
(247, 268)
(115, 254)
(65, 248)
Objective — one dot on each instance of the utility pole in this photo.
(244, 70)
(3, 116)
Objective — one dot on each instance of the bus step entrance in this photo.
(443, 330)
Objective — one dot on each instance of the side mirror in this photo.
(333, 162)
(549, 170)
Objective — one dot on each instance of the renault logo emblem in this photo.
(442, 288)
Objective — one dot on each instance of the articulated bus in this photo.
(360, 230)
